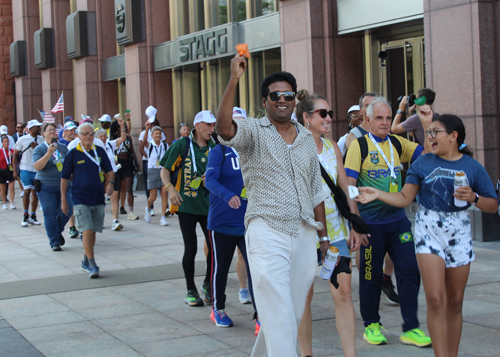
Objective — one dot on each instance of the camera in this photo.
(411, 99)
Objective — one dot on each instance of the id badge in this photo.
(243, 194)
(116, 159)
(393, 186)
(101, 176)
(195, 183)
(158, 164)
(59, 165)
(10, 167)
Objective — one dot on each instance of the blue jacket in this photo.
(224, 180)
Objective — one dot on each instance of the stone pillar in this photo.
(26, 21)
(7, 106)
(322, 62)
(461, 58)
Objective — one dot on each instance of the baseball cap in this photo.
(3, 129)
(85, 117)
(239, 113)
(105, 118)
(117, 116)
(353, 109)
(205, 116)
(32, 123)
(69, 126)
(151, 113)
(68, 118)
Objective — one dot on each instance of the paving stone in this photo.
(187, 346)
(12, 344)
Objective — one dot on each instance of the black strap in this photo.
(341, 200)
(363, 146)
(223, 148)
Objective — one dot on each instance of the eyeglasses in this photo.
(275, 96)
(90, 133)
(433, 133)
(323, 113)
(354, 116)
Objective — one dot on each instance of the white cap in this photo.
(32, 123)
(105, 118)
(117, 116)
(85, 117)
(3, 129)
(239, 113)
(151, 113)
(205, 116)
(70, 126)
(353, 109)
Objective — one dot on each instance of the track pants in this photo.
(397, 240)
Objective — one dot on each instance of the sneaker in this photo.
(132, 216)
(32, 220)
(12, 206)
(220, 318)
(373, 335)
(25, 220)
(257, 327)
(122, 210)
(85, 266)
(415, 337)
(163, 221)
(153, 212)
(193, 299)
(116, 226)
(391, 296)
(244, 296)
(62, 241)
(56, 248)
(207, 291)
(22, 194)
(5, 206)
(73, 232)
(94, 272)
(147, 215)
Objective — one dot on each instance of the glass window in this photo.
(222, 12)
(240, 10)
(268, 6)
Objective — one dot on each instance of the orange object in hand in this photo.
(242, 49)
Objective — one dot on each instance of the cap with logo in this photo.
(239, 113)
(32, 123)
(69, 126)
(68, 119)
(204, 116)
(105, 119)
(3, 130)
(353, 109)
(151, 113)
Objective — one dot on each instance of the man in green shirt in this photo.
(190, 197)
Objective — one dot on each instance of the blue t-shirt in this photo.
(436, 177)
(87, 187)
(224, 180)
(64, 141)
(50, 175)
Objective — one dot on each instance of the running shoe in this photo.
(167, 213)
(373, 335)
(94, 272)
(193, 298)
(147, 215)
(32, 220)
(244, 296)
(22, 194)
(12, 206)
(220, 318)
(163, 221)
(24, 222)
(73, 232)
(56, 248)
(390, 293)
(122, 210)
(415, 337)
(132, 216)
(207, 291)
(153, 212)
(257, 327)
(116, 226)
(85, 266)
(62, 241)
(5, 206)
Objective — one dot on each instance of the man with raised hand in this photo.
(285, 211)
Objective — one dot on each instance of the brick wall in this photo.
(7, 106)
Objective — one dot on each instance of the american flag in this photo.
(59, 128)
(48, 118)
(59, 107)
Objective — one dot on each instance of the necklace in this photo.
(284, 137)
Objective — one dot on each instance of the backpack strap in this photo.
(363, 146)
(397, 145)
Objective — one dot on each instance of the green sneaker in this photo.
(193, 299)
(373, 335)
(415, 337)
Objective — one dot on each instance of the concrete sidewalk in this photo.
(49, 307)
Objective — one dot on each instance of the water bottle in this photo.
(460, 180)
(329, 264)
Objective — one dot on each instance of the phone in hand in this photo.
(54, 140)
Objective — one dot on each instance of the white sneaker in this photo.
(132, 216)
(153, 213)
(116, 226)
(147, 215)
(163, 221)
(22, 194)
(5, 206)
(12, 206)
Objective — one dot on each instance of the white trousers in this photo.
(282, 269)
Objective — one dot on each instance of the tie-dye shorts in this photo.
(446, 234)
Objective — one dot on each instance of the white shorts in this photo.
(446, 234)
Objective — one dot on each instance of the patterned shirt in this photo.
(283, 184)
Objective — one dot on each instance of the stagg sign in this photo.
(201, 46)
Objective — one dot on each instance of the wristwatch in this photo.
(477, 199)
(399, 112)
(323, 239)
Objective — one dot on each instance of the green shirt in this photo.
(194, 202)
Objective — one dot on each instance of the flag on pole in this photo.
(59, 128)
(59, 107)
(48, 118)
(42, 114)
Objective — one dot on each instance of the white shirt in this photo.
(110, 150)
(157, 153)
(75, 142)
(150, 139)
(27, 159)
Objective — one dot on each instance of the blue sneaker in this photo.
(244, 296)
(85, 266)
(220, 318)
(94, 272)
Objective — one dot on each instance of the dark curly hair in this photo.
(453, 123)
(277, 77)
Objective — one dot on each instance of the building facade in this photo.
(109, 56)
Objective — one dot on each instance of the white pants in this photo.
(282, 269)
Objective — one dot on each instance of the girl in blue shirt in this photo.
(443, 241)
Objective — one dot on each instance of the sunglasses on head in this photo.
(323, 113)
(275, 96)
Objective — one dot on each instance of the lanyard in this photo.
(158, 156)
(55, 154)
(6, 157)
(391, 165)
(193, 158)
(325, 166)
(94, 160)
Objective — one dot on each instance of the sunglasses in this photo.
(323, 113)
(275, 96)
(20, 127)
